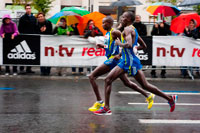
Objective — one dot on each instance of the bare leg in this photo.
(149, 87)
(100, 70)
(113, 75)
(127, 82)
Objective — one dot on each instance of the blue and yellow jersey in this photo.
(127, 53)
(109, 45)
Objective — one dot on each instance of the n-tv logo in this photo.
(21, 51)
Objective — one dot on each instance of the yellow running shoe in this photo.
(96, 106)
(149, 100)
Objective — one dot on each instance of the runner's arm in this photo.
(142, 44)
(128, 37)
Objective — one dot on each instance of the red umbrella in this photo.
(178, 24)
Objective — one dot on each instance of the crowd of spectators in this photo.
(29, 24)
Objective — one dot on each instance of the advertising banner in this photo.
(176, 51)
(23, 50)
(69, 51)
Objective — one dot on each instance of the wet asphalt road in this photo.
(53, 105)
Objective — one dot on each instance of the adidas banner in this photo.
(23, 50)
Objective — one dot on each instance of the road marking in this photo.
(6, 88)
(170, 93)
(161, 121)
(179, 104)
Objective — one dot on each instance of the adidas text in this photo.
(24, 56)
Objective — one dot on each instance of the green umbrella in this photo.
(78, 10)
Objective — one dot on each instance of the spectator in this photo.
(160, 29)
(141, 28)
(44, 27)
(90, 32)
(62, 29)
(190, 31)
(74, 26)
(9, 31)
(199, 32)
(27, 25)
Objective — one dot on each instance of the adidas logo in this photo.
(21, 51)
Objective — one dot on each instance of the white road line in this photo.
(164, 121)
(178, 93)
(179, 104)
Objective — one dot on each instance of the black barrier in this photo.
(145, 56)
(23, 50)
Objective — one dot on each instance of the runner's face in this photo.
(106, 25)
(124, 19)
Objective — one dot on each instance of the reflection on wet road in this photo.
(61, 106)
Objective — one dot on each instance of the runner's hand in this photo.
(135, 50)
(117, 57)
(117, 41)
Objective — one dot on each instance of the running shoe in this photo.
(103, 111)
(150, 100)
(96, 106)
(172, 102)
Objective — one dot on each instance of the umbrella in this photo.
(167, 9)
(78, 10)
(71, 17)
(96, 17)
(190, 3)
(125, 3)
(178, 24)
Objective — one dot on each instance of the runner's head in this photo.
(107, 23)
(127, 18)
(116, 34)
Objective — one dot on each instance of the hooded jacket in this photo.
(10, 28)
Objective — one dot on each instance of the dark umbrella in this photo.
(190, 3)
(125, 3)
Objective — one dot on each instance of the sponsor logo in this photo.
(22, 51)
(196, 52)
(68, 52)
(142, 55)
(173, 52)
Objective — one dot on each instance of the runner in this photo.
(113, 58)
(130, 64)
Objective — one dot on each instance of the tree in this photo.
(197, 8)
(42, 5)
(21, 2)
